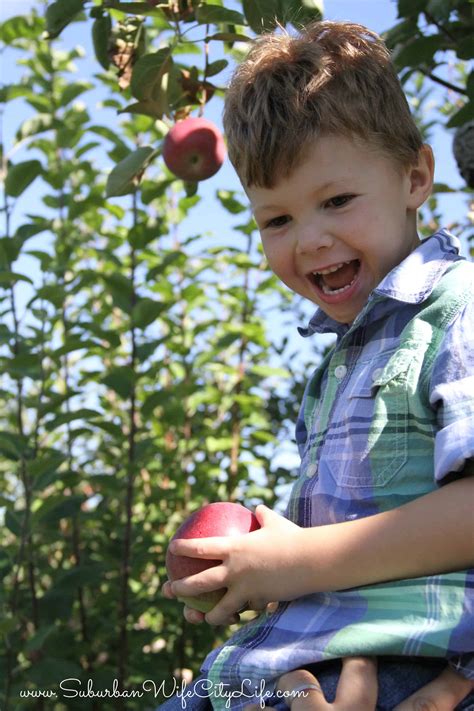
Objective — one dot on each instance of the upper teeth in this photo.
(330, 270)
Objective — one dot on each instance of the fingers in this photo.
(266, 516)
(195, 617)
(442, 694)
(167, 591)
(301, 691)
(226, 611)
(204, 582)
(211, 548)
(357, 688)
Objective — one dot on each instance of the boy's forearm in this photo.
(430, 535)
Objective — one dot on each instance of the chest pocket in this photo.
(367, 443)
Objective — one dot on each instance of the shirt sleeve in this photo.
(452, 396)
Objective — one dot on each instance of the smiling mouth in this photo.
(338, 278)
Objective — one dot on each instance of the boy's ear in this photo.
(421, 177)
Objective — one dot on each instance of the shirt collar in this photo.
(411, 281)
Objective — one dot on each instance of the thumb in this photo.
(266, 516)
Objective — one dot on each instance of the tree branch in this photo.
(443, 82)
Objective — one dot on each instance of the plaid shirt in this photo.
(386, 418)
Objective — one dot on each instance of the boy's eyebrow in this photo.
(319, 189)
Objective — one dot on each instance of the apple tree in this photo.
(139, 380)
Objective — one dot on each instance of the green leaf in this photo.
(72, 91)
(216, 67)
(191, 188)
(65, 417)
(146, 311)
(134, 8)
(300, 12)
(418, 51)
(266, 371)
(443, 188)
(22, 366)
(124, 178)
(27, 231)
(120, 380)
(44, 469)
(80, 576)
(147, 76)
(401, 33)
(59, 507)
(464, 48)
(120, 289)
(410, 8)
(152, 108)
(39, 638)
(8, 278)
(153, 401)
(112, 136)
(46, 672)
(227, 200)
(228, 37)
(101, 30)
(462, 116)
(21, 26)
(60, 13)
(7, 625)
(207, 14)
(218, 444)
(11, 446)
(261, 15)
(35, 125)
(470, 86)
(21, 175)
(13, 522)
(440, 9)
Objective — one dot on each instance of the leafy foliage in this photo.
(135, 364)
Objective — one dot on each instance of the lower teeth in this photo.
(328, 290)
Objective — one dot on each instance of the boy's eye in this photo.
(277, 221)
(339, 200)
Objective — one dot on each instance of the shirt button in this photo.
(340, 371)
(311, 470)
(376, 373)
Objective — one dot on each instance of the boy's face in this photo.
(338, 224)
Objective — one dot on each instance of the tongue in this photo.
(342, 277)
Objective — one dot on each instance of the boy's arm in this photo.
(430, 535)
(281, 561)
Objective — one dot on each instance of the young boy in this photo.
(373, 557)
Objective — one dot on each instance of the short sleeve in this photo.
(452, 396)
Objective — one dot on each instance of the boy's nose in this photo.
(312, 237)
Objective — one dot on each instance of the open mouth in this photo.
(336, 279)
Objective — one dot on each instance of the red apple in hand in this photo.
(218, 519)
(194, 149)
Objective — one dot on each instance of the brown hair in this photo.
(331, 78)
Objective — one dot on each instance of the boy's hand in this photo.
(442, 694)
(356, 690)
(257, 568)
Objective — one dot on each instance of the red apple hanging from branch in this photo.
(194, 149)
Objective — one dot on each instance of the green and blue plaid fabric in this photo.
(386, 418)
